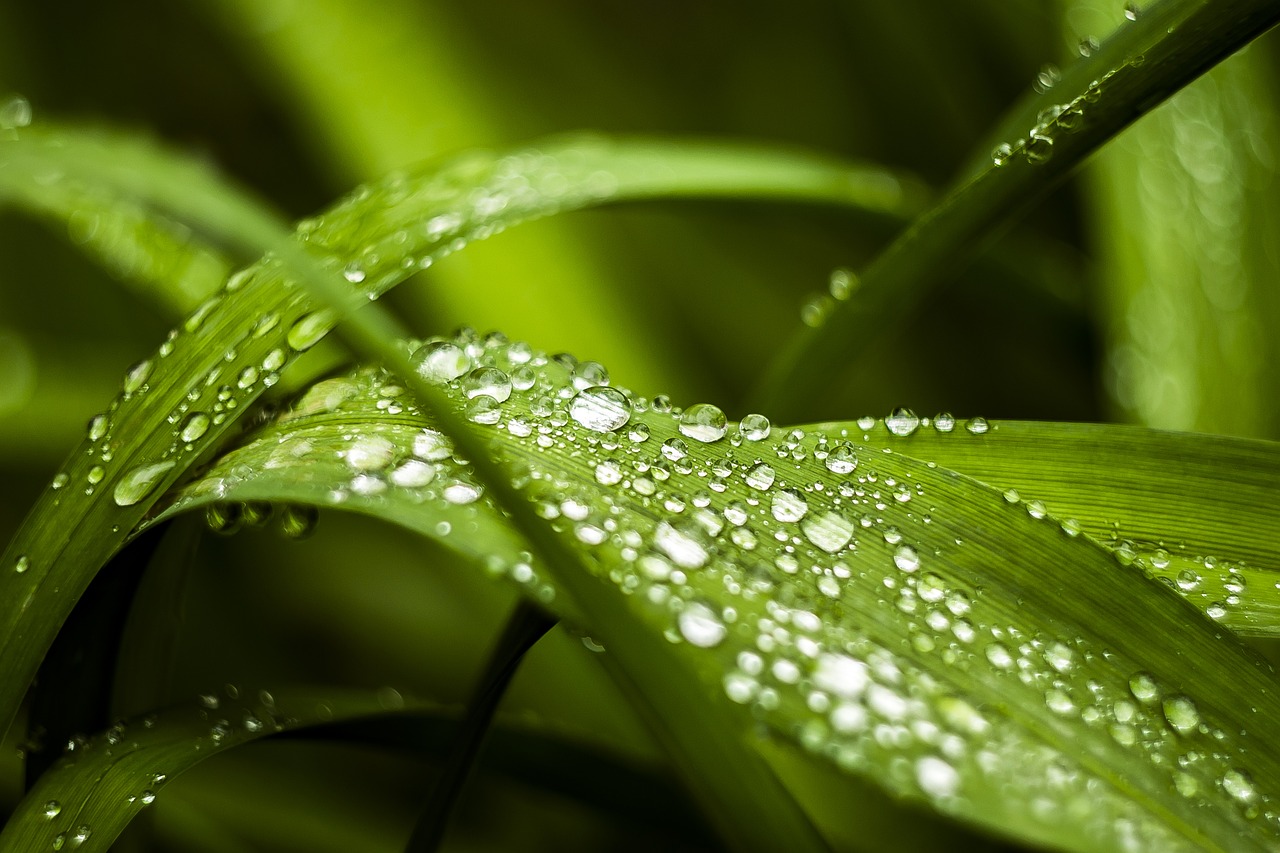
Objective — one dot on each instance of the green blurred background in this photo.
(1144, 291)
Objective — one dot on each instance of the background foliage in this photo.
(1143, 291)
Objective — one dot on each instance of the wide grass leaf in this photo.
(895, 618)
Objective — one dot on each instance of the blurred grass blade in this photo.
(90, 795)
(376, 237)
(1198, 512)
(138, 244)
(837, 587)
(1170, 44)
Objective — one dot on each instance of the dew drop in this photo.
(370, 453)
(789, 505)
(52, 809)
(944, 422)
(1131, 11)
(1038, 148)
(136, 377)
(755, 427)
(829, 531)
(21, 564)
(700, 626)
(413, 474)
(15, 112)
(1239, 786)
(1144, 688)
(682, 547)
(842, 459)
(760, 476)
(842, 284)
(601, 409)
(841, 675)
(1001, 154)
(297, 521)
(999, 656)
(977, 426)
(936, 777)
(674, 449)
(140, 482)
(703, 422)
(906, 558)
(196, 424)
(489, 382)
(1182, 714)
(459, 492)
(902, 422)
(439, 362)
(97, 427)
(309, 329)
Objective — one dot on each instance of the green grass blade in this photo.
(1198, 512)
(377, 237)
(1169, 45)
(906, 598)
(160, 256)
(90, 795)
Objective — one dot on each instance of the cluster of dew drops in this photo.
(722, 531)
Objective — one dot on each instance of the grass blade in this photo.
(1169, 45)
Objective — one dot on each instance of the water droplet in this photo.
(842, 459)
(703, 422)
(147, 798)
(601, 409)
(999, 656)
(684, 548)
(140, 482)
(760, 476)
(1048, 77)
(81, 834)
(902, 422)
(1131, 11)
(97, 427)
(700, 626)
(440, 362)
(829, 531)
(674, 449)
(1182, 714)
(978, 426)
(1038, 147)
(489, 382)
(21, 564)
(309, 329)
(789, 505)
(298, 521)
(841, 675)
(370, 453)
(484, 410)
(1144, 688)
(1239, 785)
(52, 809)
(1188, 580)
(459, 492)
(906, 558)
(754, 427)
(936, 777)
(842, 284)
(136, 377)
(1001, 154)
(1088, 46)
(944, 422)
(15, 112)
(196, 424)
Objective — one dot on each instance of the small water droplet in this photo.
(944, 422)
(21, 564)
(298, 521)
(439, 362)
(755, 427)
(140, 482)
(936, 777)
(52, 809)
(97, 427)
(1131, 11)
(829, 531)
(1001, 154)
(1088, 46)
(1144, 688)
(978, 426)
(1038, 148)
(760, 476)
(459, 492)
(700, 626)
(1048, 77)
(842, 459)
(683, 547)
(902, 422)
(136, 377)
(1239, 785)
(703, 422)
(601, 409)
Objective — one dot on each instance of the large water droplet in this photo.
(1144, 688)
(902, 422)
(600, 408)
(439, 362)
(700, 626)
(196, 424)
(703, 422)
(829, 531)
(684, 548)
(52, 809)
(936, 777)
(760, 476)
(489, 382)
(136, 377)
(140, 482)
(841, 675)
(1182, 714)
(754, 427)
(1239, 786)
(906, 558)
(842, 459)
(309, 329)
(97, 427)
(789, 505)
